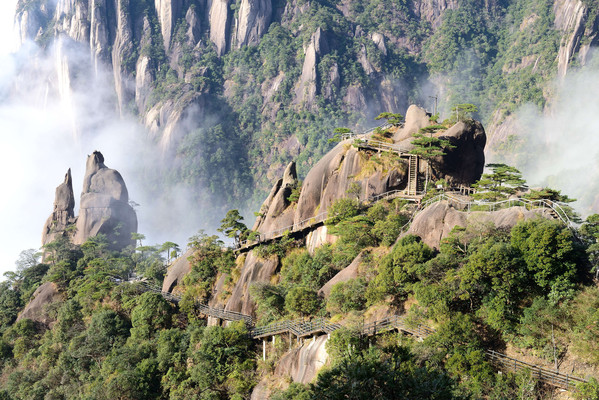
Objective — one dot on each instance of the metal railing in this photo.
(351, 135)
(551, 377)
(299, 328)
(303, 328)
(556, 208)
(396, 322)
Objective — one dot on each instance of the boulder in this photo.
(62, 215)
(347, 273)
(435, 222)
(176, 272)
(36, 309)
(254, 270)
(463, 164)
(104, 207)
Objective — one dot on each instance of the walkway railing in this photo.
(302, 328)
(556, 208)
(550, 377)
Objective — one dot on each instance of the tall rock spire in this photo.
(63, 214)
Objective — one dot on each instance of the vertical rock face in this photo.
(220, 23)
(99, 32)
(105, 205)
(63, 213)
(307, 88)
(194, 26)
(167, 11)
(254, 19)
(121, 51)
(570, 18)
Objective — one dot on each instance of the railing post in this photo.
(263, 349)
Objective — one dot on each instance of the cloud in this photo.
(47, 128)
(559, 146)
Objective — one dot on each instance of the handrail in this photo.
(302, 328)
(555, 206)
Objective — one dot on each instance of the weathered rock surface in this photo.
(63, 214)
(220, 24)
(176, 272)
(435, 222)
(104, 207)
(276, 212)
(254, 19)
(36, 309)
(570, 18)
(254, 270)
(319, 237)
(347, 273)
(307, 88)
(168, 11)
(300, 364)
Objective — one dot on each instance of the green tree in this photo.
(302, 301)
(462, 112)
(551, 255)
(502, 182)
(232, 226)
(429, 148)
(392, 118)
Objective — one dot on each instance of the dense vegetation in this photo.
(530, 288)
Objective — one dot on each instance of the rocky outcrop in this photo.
(464, 163)
(122, 50)
(432, 10)
(347, 273)
(144, 75)
(104, 207)
(220, 24)
(168, 12)
(37, 308)
(253, 21)
(435, 222)
(301, 365)
(99, 33)
(319, 237)
(63, 214)
(176, 272)
(254, 270)
(570, 18)
(307, 88)
(276, 212)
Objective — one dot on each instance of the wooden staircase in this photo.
(412, 186)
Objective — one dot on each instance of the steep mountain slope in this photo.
(231, 91)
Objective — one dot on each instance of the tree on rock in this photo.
(392, 118)
(429, 147)
(462, 112)
(232, 226)
(502, 182)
